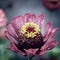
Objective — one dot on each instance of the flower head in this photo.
(25, 36)
(52, 4)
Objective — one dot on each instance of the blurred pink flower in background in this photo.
(52, 4)
(25, 36)
(3, 22)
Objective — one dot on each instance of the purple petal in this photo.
(31, 52)
(13, 46)
(40, 20)
(52, 34)
(49, 45)
(18, 22)
(11, 30)
(48, 29)
(29, 17)
(26, 17)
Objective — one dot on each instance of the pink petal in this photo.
(11, 30)
(31, 52)
(40, 20)
(49, 45)
(18, 22)
(52, 34)
(26, 16)
(13, 46)
(48, 29)
(29, 17)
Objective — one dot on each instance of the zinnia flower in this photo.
(25, 36)
(52, 4)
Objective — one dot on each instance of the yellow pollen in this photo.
(30, 29)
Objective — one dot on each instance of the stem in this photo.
(30, 58)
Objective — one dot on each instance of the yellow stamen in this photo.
(30, 29)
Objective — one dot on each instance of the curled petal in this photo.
(11, 30)
(13, 45)
(31, 52)
(48, 29)
(49, 45)
(52, 34)
(40, 20)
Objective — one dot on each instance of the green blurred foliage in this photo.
(4, 53)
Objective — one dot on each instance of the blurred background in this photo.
(13, 8)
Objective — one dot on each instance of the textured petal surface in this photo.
(31, 52)
(51, 37)
(40, 20)
(49, 45)
(30, 17)
(13, 46)
(18, 22)
(47, 30)
(11, 30)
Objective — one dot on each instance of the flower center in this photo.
(30, 29)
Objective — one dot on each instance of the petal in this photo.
(18, 22)
(49, 45)
(48, 29)
(40, 20)
(13, 46)
(31, 52)
(52, 34)
(26, 17)
(29, 17)
(11, 30)
(32, 18)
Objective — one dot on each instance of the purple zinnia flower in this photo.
(25, 36)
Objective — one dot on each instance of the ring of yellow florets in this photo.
(30, 29)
